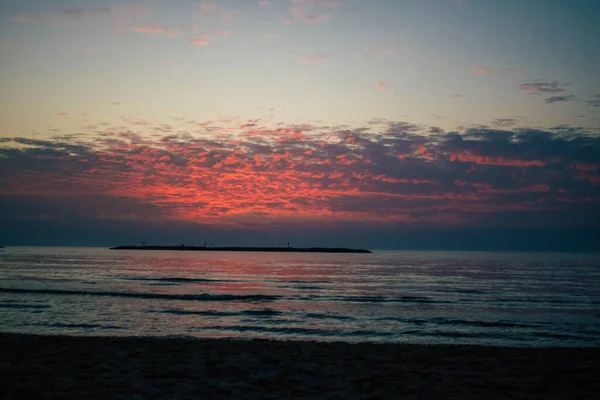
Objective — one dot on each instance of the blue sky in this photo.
(446, 63)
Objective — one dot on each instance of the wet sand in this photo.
(35, 367)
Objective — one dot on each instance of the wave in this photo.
(141, 295)
(460, 322)
(302, 281)
(204, 313)
(301, 331)
(25, 306)
(84, 326)
(302, 287)
(463, 291)
(264, 312)
(212, 313)
(328, 316)
(485, 324)
(454, 334)
(563, 336)
(174, 279)
(378, 299)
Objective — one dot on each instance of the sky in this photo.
(396, 124)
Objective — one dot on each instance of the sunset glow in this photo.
(317, 114)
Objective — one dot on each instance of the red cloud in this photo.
(472, 158)
(219, 171)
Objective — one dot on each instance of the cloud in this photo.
(301, 14)
(84, 13)
(557, 99)
(264, 3)
(207, 6)
(536, 88)
(4, 43)
(315, 59)
(390, 172)
(308, 10)
(385, 52)
(156, 30)
(317, 3)
(505, 122)
(481, 69)
(382, 85)
(595, 102)
(117, 11)
(200, 42)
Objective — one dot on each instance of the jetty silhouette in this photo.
(253, 249)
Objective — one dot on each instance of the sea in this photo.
(482, 298)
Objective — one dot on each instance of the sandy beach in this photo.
(35, 367)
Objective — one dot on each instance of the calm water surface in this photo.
(511, 299)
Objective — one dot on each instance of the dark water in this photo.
(510, 299)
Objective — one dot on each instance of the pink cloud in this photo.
(541, 87)
(317, 18)
(315, 59)
(301, 14)
(207, 7)
(5, 43)
(382, 85)
(264, 3)
(200, 42)
(385, 52)
(156, 30)
(321, 3)
(203, 38)
(481, 69)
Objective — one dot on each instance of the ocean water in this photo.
(504, 299)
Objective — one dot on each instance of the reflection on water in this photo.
(426, 297)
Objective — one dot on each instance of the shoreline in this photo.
(38, 366)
